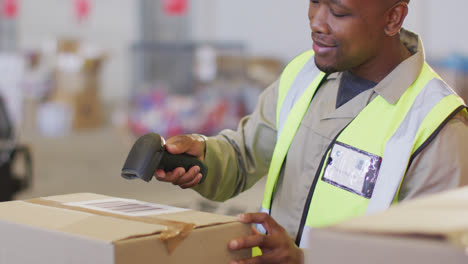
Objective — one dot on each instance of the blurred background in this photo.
(80, 80)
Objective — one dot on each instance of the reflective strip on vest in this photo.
(260, 227)
(398, 149)
(306, 237)
(298, 101)
(305, 77)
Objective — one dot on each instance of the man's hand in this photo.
(190, 144)
(277, 246)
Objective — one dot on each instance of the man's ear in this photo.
(395, 17)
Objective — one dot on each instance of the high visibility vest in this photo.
(394, 134)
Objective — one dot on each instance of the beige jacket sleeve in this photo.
(442, 165)
(238, 159)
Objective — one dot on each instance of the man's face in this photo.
(347, 34)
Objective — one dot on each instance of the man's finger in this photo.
(171, 176)
(255, 231)
(190, 144)
(272, 256)
(194, 182)
(179, 144)
(254, 260)
(264, 219)
(247, 242)
(175, 175)
(188, 176)
(161, 175)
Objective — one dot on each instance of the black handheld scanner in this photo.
(149, 154)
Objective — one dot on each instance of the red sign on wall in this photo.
(175, 7)
(82, 9)
(9, 8)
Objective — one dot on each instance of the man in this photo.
(350, 127)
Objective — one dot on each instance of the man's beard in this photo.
(326, 68)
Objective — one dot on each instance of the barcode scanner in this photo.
(149, 154)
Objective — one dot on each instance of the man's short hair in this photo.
(396, 1)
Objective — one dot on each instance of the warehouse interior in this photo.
(81, 80)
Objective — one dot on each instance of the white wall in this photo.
(271, 28)
(441, 24)
(268, 27)
(112, 25)
(280, 28)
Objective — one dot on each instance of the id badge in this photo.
(352, 169)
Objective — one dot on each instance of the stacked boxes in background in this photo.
(206, 112)
(195, 88)
(61, 87)
(76, 79)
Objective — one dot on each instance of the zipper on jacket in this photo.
(314, 184)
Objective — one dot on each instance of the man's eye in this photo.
(314, 1)
(338, 14)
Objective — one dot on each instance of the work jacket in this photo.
(238, 159)
(363, 167)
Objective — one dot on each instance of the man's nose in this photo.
(318, 20)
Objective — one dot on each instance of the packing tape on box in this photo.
(173, 236)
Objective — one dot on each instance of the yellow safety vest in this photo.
(393, 133)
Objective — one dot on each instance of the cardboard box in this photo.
(76, 82)
(79, 89)
(431, 230)
(91, 228)
(264, 70)
(337, 247)
(68, 45)
(261, 70)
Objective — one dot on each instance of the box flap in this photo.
(200, 219)
(111, 229)
(75, 222)
(76, 197)
(29, 214)
(408, 221)
(444, 214)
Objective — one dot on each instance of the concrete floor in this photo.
(91, 162)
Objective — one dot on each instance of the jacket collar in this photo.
(392, 87)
